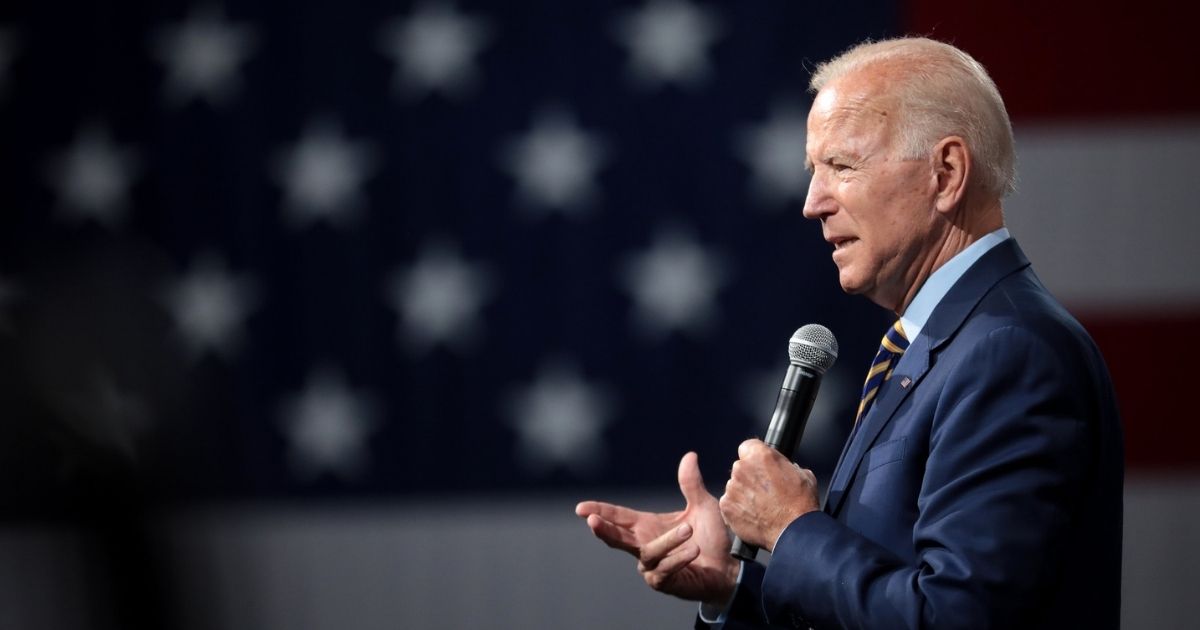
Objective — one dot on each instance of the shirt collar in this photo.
(940, 281)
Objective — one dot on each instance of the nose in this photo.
(818, 204)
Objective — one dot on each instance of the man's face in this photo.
(875, 208)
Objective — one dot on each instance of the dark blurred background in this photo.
(320, 315)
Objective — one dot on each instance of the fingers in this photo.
(664, 556)
(617, 514)
(727, 502)
(807, 475)
(656, 550)
(747, 448)
(613, 535)
(765, 493)
(691, 484)
(659, 577)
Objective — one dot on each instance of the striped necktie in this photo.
(890, 350)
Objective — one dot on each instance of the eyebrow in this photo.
(835, 156)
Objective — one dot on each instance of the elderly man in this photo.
(981, 484)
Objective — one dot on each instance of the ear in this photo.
(952, 165)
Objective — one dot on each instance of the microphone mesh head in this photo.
(813, 346)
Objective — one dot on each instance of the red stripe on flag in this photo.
(1152, 361)
(1076, 58)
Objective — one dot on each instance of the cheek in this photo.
(892, 215)
(912, 191)
(866, 213)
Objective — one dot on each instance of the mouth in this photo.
(841, 242)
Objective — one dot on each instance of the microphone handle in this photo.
(795, 402)
(743, 550)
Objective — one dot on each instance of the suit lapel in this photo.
(910, 370)
(1002, 260)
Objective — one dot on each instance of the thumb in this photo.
(691, 484)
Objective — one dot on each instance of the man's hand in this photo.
(765, 493)
(683, 553)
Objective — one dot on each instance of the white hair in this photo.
(942, 91)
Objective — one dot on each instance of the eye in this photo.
(837, 165)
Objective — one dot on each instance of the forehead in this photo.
(854, 107)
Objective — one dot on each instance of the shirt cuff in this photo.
(715, 616)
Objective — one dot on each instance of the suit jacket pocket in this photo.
(886, 453)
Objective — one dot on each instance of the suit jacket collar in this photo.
(945, 321)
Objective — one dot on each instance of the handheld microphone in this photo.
(811, 350)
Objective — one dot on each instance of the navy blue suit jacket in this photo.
(982, 490)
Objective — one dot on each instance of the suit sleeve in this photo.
(746, 609)
(1009, 451)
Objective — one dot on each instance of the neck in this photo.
(960, 230)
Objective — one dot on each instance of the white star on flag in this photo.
(559, 419)
(555, 164)
(202, 55)
(775, 151)
(322, 176)
(210, 306)
(674, 285)
(8, 51)
(434, 49)
(92, 177)
(668, 42)
(327, 426)
(439, 298)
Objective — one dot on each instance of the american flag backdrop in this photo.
(313, 249)
(309, 253)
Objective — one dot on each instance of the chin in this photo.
(851, 288)
(849, 283)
